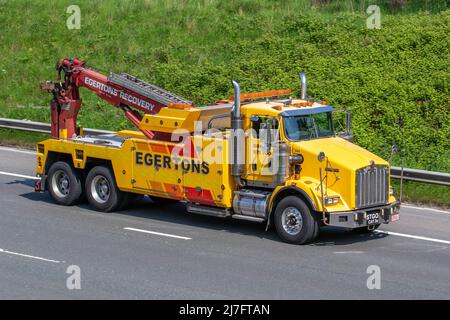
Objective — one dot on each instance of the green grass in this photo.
(422, 193)
(394, 79)
(22, 138)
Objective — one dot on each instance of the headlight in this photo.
(331, 200)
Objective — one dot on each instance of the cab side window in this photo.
(259, 124)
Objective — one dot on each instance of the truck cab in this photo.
(343, 184)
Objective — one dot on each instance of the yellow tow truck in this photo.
(263, 157)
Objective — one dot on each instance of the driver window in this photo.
(259, 124)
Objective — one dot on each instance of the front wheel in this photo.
(102, 191)
(294, 222)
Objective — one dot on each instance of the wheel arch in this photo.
(92, 162)
(283, 193)
(291, 191)
(54, 156)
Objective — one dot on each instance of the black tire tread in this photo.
(116, 199)
(310, 224)
(76, 190)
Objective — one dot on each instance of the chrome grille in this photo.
(372, 186)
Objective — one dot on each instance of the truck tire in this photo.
(317, 224)
(294, 222)
(64, 184)
(102, 191)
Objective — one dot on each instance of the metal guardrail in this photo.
(41, 127)
(417, 175)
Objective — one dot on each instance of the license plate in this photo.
(373, 218)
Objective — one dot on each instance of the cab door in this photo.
(261, 153)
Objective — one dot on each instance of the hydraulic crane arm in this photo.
(120, 90)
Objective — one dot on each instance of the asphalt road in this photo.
(196, 257)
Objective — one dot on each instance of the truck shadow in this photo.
(176, 213)
(331, 236)
(26, 182)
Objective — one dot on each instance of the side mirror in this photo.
(394, 149)
(266, 137)
(321, 156)
(343, 125)
(348, 120)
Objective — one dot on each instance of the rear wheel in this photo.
(64, 184)
(294, 222)
(102, 191)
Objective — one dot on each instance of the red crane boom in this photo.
(123, 91)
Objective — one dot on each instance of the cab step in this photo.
(208, 210)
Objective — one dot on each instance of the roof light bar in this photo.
(179, 105)
(259, 95)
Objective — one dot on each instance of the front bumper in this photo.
(365, 217)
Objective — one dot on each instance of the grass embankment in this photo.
(395, 79)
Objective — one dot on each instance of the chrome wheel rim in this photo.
(100, 189)
(61, 184)
(292, 221)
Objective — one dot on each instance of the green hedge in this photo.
(395, 79)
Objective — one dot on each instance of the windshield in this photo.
(309, 126)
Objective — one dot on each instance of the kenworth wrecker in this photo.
(263, 157)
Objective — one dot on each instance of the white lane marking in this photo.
(346, 252)
(17, 150)
(28, 256)
(18, 175)
(424, 208)
(159, 233)
(412, 236)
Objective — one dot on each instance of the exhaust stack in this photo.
(238, 142)
(236, 111)
(303, 84)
